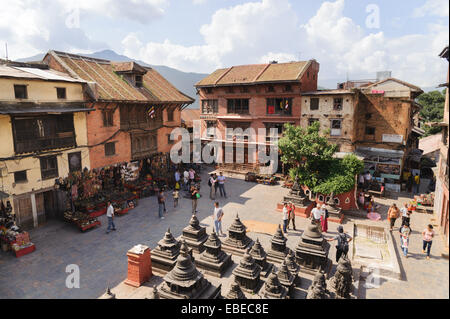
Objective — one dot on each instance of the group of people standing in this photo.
(319, 215)
(216, 183)
(288, 216)
(405, 229)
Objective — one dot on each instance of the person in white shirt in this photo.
(316, 213)
(406, 214)
(217, 217)
(285, 217)
(221, 184)
(186, 180)
(110, 216)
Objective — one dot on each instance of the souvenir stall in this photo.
(89, 192)
(12, 237)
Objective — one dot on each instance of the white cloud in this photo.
(32, 26)
(433, 7)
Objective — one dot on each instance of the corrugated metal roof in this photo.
(30, 107)
(35, 73)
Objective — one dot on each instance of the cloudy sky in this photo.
(349, 38)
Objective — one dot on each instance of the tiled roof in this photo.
(113, 87)
(256, 73)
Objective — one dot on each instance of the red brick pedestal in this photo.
(302, 211)
(139, 266)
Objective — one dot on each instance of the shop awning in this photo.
(34, 108)
(377, 152)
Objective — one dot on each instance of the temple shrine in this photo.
(286, 278)
(235, 292)
(291, 264)
(184, 281)
(312, 250)
(164, 256)
(247, 274)
(237, 241)
(195, 235)
(213, 260)
(278, 250)
(300, 200)
(273, 289)
(342, 281)
(318, 289)
(260, 257)
(335, 213)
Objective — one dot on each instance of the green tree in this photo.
(311, 157)
(432, 109)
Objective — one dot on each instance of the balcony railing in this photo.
(40, 144)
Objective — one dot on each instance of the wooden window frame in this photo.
(315, 108)
(108, 154)
(48, 173)
(20, 180)
(59, 95)
(16, 88)
(108, 118)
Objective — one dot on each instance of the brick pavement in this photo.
(103, 262)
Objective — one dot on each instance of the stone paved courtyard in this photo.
(103, 262)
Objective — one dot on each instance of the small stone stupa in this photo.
(342, 281)
(247, 274)
(286, 278)
(213, 260)
(333, 211)
(184, 281)
(318, 288)
(273, 289)
(235, 292)
(292, 265)
(237, 241)
(260, 257)
(296, 196)
(278, 250)
(195, 235)
(164, 256)
(312, 250)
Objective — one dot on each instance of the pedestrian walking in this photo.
(361, 181)
(416, 184)
(285, 217)
(410, 182)
(393, 214)
(175, 198)
(324, 219)
(405, 232)
(177, 177)
(194, 196)
(291, 210)
(406, 214)
(316, 214)
(191, 176)
(427, 235)
(110, 216)
(212, 188)
(161, 204)
(343, 240)
(186, 180)
(221, 184)
(217, 217)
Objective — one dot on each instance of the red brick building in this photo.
(253, 96)
(123, 95)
